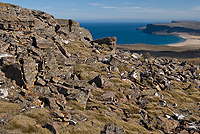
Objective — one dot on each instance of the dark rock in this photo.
(98, 81)
(53, 127)
(162, 103)
(13, 72)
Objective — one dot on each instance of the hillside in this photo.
(54, 78)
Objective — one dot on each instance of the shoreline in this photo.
(191, 40)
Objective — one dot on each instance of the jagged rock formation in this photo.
(191, 27)
(55, 79)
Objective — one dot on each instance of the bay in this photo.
(126, 33)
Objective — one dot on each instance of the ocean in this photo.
(126, 33)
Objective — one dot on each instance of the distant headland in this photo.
(190, 30)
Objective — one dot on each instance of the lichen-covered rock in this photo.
(29, 72)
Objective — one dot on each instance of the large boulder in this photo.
(110, 41)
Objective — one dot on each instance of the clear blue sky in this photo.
(116, 10)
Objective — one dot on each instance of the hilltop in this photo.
(54, 78)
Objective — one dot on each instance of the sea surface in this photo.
(126, 33)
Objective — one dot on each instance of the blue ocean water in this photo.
(126, 34)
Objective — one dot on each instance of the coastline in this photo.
(191, 41)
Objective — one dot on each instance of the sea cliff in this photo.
(54, 78)
(190, 27)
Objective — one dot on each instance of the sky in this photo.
(116, 10)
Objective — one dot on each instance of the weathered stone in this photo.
(40, 81)
(110, 41)
(109, 96)
(167, 125)
(98, 81)
(50, 102)
(41, 42)
(29, 71)
(162, 103)
(111, 129)
(114, 61)
(162, 123)
(135, 75)
(79, 93)
(70, 25)
(3, 92)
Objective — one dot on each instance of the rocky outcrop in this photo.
(190, 27)
(55, 79)
(110, 41)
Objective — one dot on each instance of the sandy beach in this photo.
(191, 41)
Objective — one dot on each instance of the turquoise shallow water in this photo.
(126, 34)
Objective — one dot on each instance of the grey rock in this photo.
(111, 129)
(29, 72)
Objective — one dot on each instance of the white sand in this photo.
(191, 41)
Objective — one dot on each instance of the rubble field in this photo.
(54, 78)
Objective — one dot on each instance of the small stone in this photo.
(40, 81)
(162, 103)
(178, 116)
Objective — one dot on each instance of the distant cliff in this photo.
(191, 27)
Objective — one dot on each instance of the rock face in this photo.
(110, 41)
(191, 27)
(55, 79)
